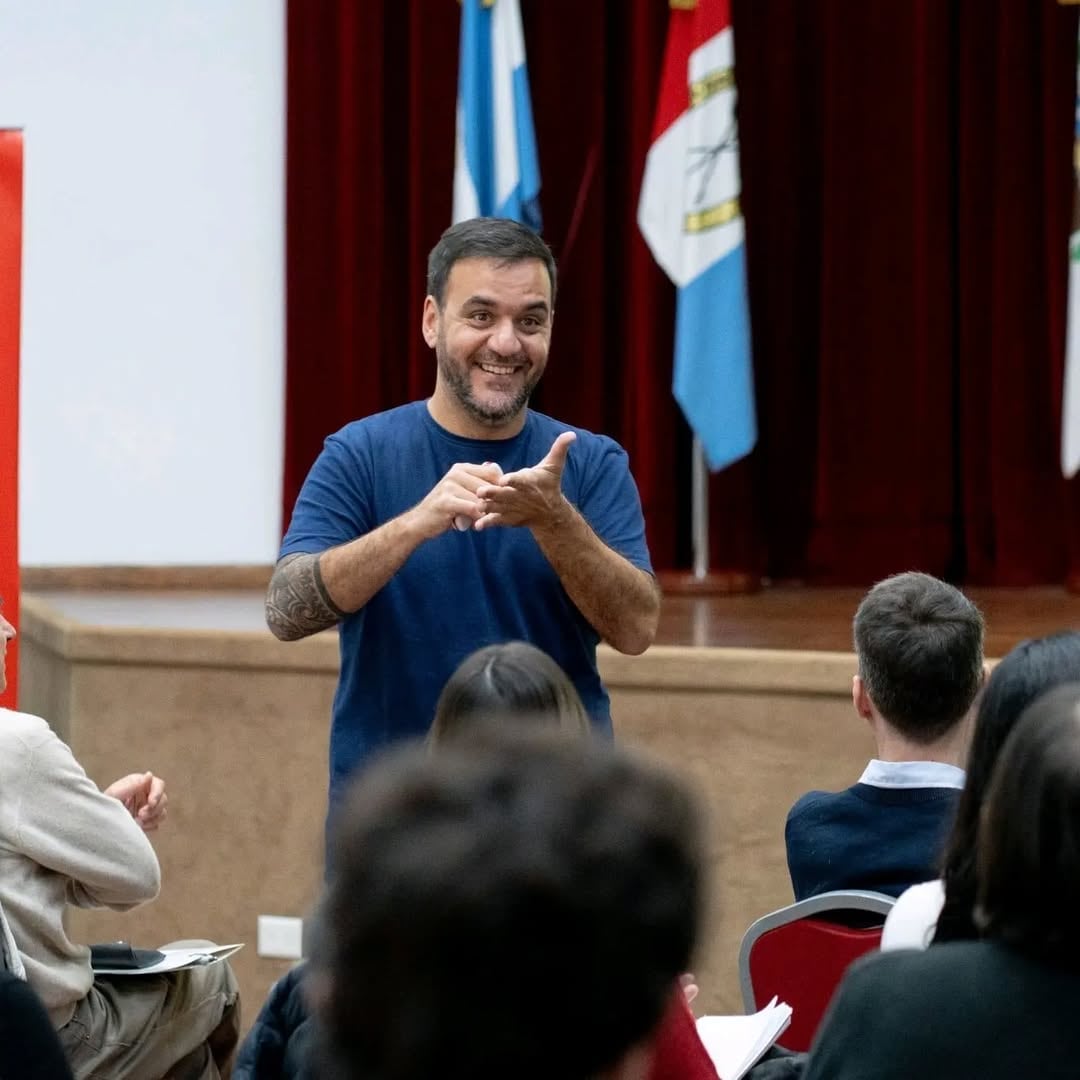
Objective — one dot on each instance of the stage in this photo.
(748, 697)
(779, 617)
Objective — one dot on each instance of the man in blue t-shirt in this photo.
(919, 644)
(468, 519)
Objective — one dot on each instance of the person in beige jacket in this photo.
(64, 841)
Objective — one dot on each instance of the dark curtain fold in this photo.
(907, 191)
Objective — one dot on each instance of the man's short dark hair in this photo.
(920, 647)
(512, 906)
(502, 239)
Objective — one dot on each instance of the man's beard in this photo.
(459, 382)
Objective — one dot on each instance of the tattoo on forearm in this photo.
(297, 603)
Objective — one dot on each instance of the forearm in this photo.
(309, 592)
(620, 602)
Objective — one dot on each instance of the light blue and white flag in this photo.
(690, 216)
(496, 170)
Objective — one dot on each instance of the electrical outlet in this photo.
(281, 936)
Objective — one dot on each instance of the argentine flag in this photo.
(690, 216)
(496, 170)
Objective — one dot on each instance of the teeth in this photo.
(493, 369)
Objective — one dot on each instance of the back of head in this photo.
(1028, 857)
(502, 239)
(511, 684)
(513, 909)
(920, 647)
(1030, 669)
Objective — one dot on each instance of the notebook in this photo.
(736, 1043)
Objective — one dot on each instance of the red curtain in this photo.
(906, 184)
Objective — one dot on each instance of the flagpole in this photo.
(699, 512)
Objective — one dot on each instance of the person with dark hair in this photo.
(468, 519)
(514, 687)
(919, 646)
(1003, 1006)
(944, 909)
(574, 866)
(511, 683)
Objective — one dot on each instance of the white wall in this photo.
(153, 311)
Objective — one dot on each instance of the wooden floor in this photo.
(782, 617)
(792, 617)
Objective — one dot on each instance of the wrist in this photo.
(414, 527)
(560, 517)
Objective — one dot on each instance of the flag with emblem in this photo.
(496, 169)
(690, 216)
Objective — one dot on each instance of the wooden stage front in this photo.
(782, 617)
(748, 697)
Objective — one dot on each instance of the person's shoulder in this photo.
(548, 425)
(589, 449)
(813, 802)
(24, 726)
(25, 740)
(389, 421)
(913, 918)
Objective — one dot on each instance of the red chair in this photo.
(678, 1052)
(800, 953)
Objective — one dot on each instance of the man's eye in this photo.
(480, 316)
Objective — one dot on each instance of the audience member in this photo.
(1004, 1006)
(944, 909)
(511, 683)
(29, 1048)
(571, 870)
(919, 644)
(514, 684)
(63, 841)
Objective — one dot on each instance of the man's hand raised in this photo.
(454, 496)
(531, 497)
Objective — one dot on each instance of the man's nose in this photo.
(504, 339)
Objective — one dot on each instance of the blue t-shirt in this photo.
(461, 590)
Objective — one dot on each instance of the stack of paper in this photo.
(735, 1043)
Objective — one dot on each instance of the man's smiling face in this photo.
(491, 338)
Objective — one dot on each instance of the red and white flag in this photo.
(691, 217)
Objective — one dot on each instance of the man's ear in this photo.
(861, 699)
(429, 323)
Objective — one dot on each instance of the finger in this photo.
(521, 478)
(157, 790)
(556, 456)
(469, 476)
(456, 506)
(489, 521)
(496, 493)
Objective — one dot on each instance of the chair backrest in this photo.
(10, 960)
(800, 954)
